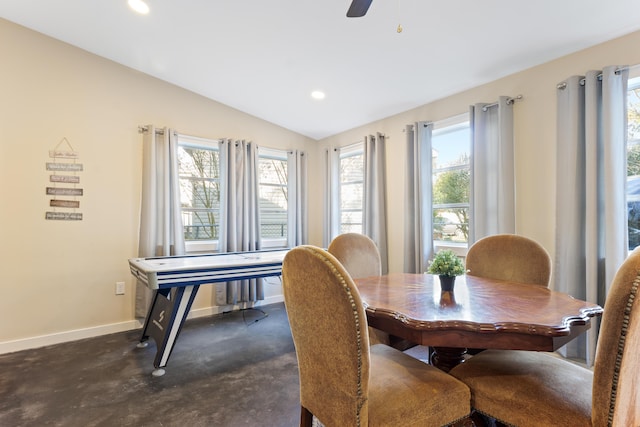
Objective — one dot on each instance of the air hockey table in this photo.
(175, 281)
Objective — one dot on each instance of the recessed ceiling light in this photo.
(317, 94)
(139, 6)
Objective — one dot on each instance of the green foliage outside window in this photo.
(452, 187)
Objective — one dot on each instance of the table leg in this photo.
(164, 322)
(145, 329)
(445, 358)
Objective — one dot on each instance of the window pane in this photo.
(451, 224)
(451, 146)
(273, 197)
(199, 171)
(351, 221)
(451, 183)
(351, 191)
(352, 169)
(451, 186)
(351, 197)
(199, 162)
(200, 225)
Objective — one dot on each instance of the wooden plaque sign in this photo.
(63, 154)
(56, 203)
(64, 191)
(64, 160)
(75, 167)
(65, 178)
(64, 216)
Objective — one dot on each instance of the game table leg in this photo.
(164, 321)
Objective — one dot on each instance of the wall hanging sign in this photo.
(63, 180)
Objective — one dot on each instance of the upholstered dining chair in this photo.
(509, 257)
(537, 389)
(361, 257)
(357, 253)
(343, 380)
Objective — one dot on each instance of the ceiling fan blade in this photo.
(358, 8)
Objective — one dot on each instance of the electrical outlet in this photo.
(119, 288)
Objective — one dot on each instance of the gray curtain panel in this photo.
(591, 210)
(297, 223)
(240, 214)
(161, 231)
(331, 221)
(492, 169)
(375, 195)
(418, 230)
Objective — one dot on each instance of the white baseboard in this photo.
(78, 334)
(66, 336)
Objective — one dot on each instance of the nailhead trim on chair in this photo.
(621, 344)
(361, 400)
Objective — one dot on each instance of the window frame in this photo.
(209, 245)
(442, 127)
(353, 150)
(276, 154)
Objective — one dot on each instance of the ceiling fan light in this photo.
(317, 94)
(139, 6)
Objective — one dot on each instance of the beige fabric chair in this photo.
(361, 257)
(509, 257)
(358, 254)
(537, 389)
(344, 381)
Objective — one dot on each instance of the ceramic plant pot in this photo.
(447, 282)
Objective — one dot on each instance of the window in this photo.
(273, 197)
(451, 183)
(351, 188)
(199, 172)
(633, 162)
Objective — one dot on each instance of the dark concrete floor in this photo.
(232, 369)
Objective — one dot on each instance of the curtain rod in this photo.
(425, 124)
(563, 85)
(509, 102)
(143, 129)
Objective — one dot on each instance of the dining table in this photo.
(479, 313)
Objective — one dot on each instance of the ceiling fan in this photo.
(358, 8)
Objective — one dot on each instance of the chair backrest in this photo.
(358, 253)
(616, 376)
(329, 329)
(509, 257)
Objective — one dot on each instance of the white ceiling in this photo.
(264, 57)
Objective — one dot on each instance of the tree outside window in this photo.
(451, 200)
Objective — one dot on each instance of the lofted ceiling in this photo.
(265, 57)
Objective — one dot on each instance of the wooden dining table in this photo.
(479, 313)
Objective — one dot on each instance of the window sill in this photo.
(201, 246)
(458, 248)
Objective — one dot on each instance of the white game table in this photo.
(175, 281)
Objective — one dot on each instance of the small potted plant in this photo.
(446, 265)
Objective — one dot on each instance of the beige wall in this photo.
(59, 276)
(535, 139)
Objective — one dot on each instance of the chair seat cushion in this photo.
(403, 388)
(526, 388)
